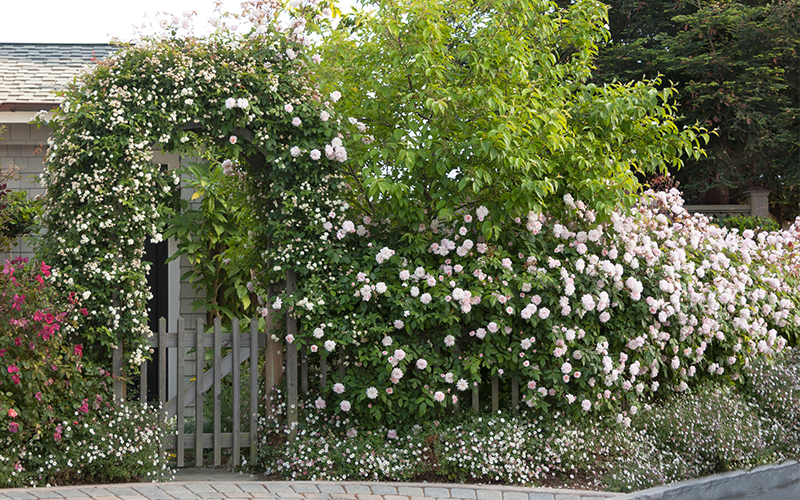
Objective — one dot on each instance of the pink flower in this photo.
(438, 396)
(338, 388)
(392, 434)
(233, 139)
(422, 364)
(320, 403)
(12, 413)
(296, 121)
(13, 427)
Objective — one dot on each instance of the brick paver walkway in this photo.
(301, 490)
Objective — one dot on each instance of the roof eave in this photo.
(28, 106)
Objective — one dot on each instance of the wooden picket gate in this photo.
(244, 346)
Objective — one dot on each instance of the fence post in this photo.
(217, 367)
(273, 362)
(200, 355)
(237, 380)
(495, 393)
(162, 380)
(758, 199)
(291, 361)
(116, 369)
(254, 387)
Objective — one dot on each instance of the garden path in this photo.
(233, 486)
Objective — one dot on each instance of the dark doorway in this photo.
(158, 282)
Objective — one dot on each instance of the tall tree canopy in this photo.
(471, 102)
(736, 67)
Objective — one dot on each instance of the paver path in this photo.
(300, 490)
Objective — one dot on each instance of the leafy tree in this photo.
(490, 102)
(736, 67)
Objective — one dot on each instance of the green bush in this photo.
(744, 222)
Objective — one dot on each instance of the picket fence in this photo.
(244, 346)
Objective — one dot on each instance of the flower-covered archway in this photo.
(248, 99)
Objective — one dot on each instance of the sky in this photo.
(94, 21)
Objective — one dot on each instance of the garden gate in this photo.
(242, 347)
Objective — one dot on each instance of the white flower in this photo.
(462, 385)
(566, 368)
(230, 103)
(324, 115)
(449, 341)
(296, 121)
(425, 298)
(330, 345)
(422, 364)
(336, 95)
(315, 154)
(319, 333)
(398, 323)
(288, 108)
(242, 103)
(338, 388)
(277, 304)
(294, 151)
(372, 393)
(86, 295)
(380, 287)
(387, 341)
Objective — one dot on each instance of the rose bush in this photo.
(246, 97)
(587, 316)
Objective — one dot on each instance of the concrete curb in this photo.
(728, 486)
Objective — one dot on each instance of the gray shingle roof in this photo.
(29, 72)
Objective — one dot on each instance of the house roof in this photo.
(30, 72)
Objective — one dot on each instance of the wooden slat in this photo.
(162, 371)
(189, 440)
(198, 400)
(116, 369)
(143, 382)
(323, 370)
(206, 381)
(236, 395)
(217, 391)
(303, 372)
(514, 395)
(291, 361)
(495, 393)
(475, 402)
(180, 398)
(171, 340)
(252, 437)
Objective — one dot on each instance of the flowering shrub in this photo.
(586, 315)
(710, 430)
(245, 97)
(57, 421)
